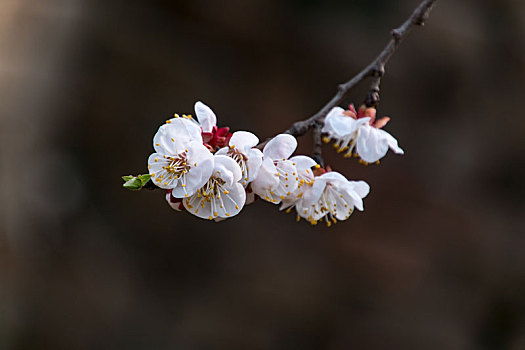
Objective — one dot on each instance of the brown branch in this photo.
(317, 152)
(376, 69)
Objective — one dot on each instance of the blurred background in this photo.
(436, 260)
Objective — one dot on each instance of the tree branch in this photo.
(376, 70)
(317, 152)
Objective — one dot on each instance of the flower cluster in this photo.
(212, 173)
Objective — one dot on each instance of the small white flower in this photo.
(276, 178)
(304, 166)
(180, 162)
(222, 195)
(241, 149)
(331, 196)
(360, 131)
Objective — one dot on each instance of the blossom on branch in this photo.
(180, 162)
(332, 197)
(241, 149)
(359, 133)
(277, 177)
(222, 195)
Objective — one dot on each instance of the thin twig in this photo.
(376, 69)
(317, 152)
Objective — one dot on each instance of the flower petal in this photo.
(303, 162)
(156, 162)
(392, 142)
(312, 193)
(232, 201)
(339, 125)
(206, 117)
(361, 188)
(243, 140)
(253, 163)
(188, 183)
(266, 179)
(222, 151)
(371, 145)
(171, 139)
(198, 207)
(226, 169)
(280, 147)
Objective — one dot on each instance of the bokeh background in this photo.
(436, 261)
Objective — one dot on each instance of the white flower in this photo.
(222, 195)
(241, 149)
(304, 166)
(360, 131)
(180, 162)
(333, 196)
(277, 177)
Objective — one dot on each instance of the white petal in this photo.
(222, 151)
(254, 162)
(206, 117)
(343, 208)
(371, 146)
(232, 201)
(312, 193)
(171, 139)
(201, 158)
(332, 177)
(392, 142)
(288, 182)
(309, 211)
(361, 188)
(338, 124)
(243, 140)
(196, 206)
(354, 198)
(188, 183)
(266, 179)
(155, 164)
(280, 147)
(226, 169)
(303, 162)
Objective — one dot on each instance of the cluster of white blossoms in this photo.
(212, 173)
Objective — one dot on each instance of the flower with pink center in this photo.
(359, 133)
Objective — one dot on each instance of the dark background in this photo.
(436, 260)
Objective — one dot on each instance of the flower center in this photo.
(177, 165)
